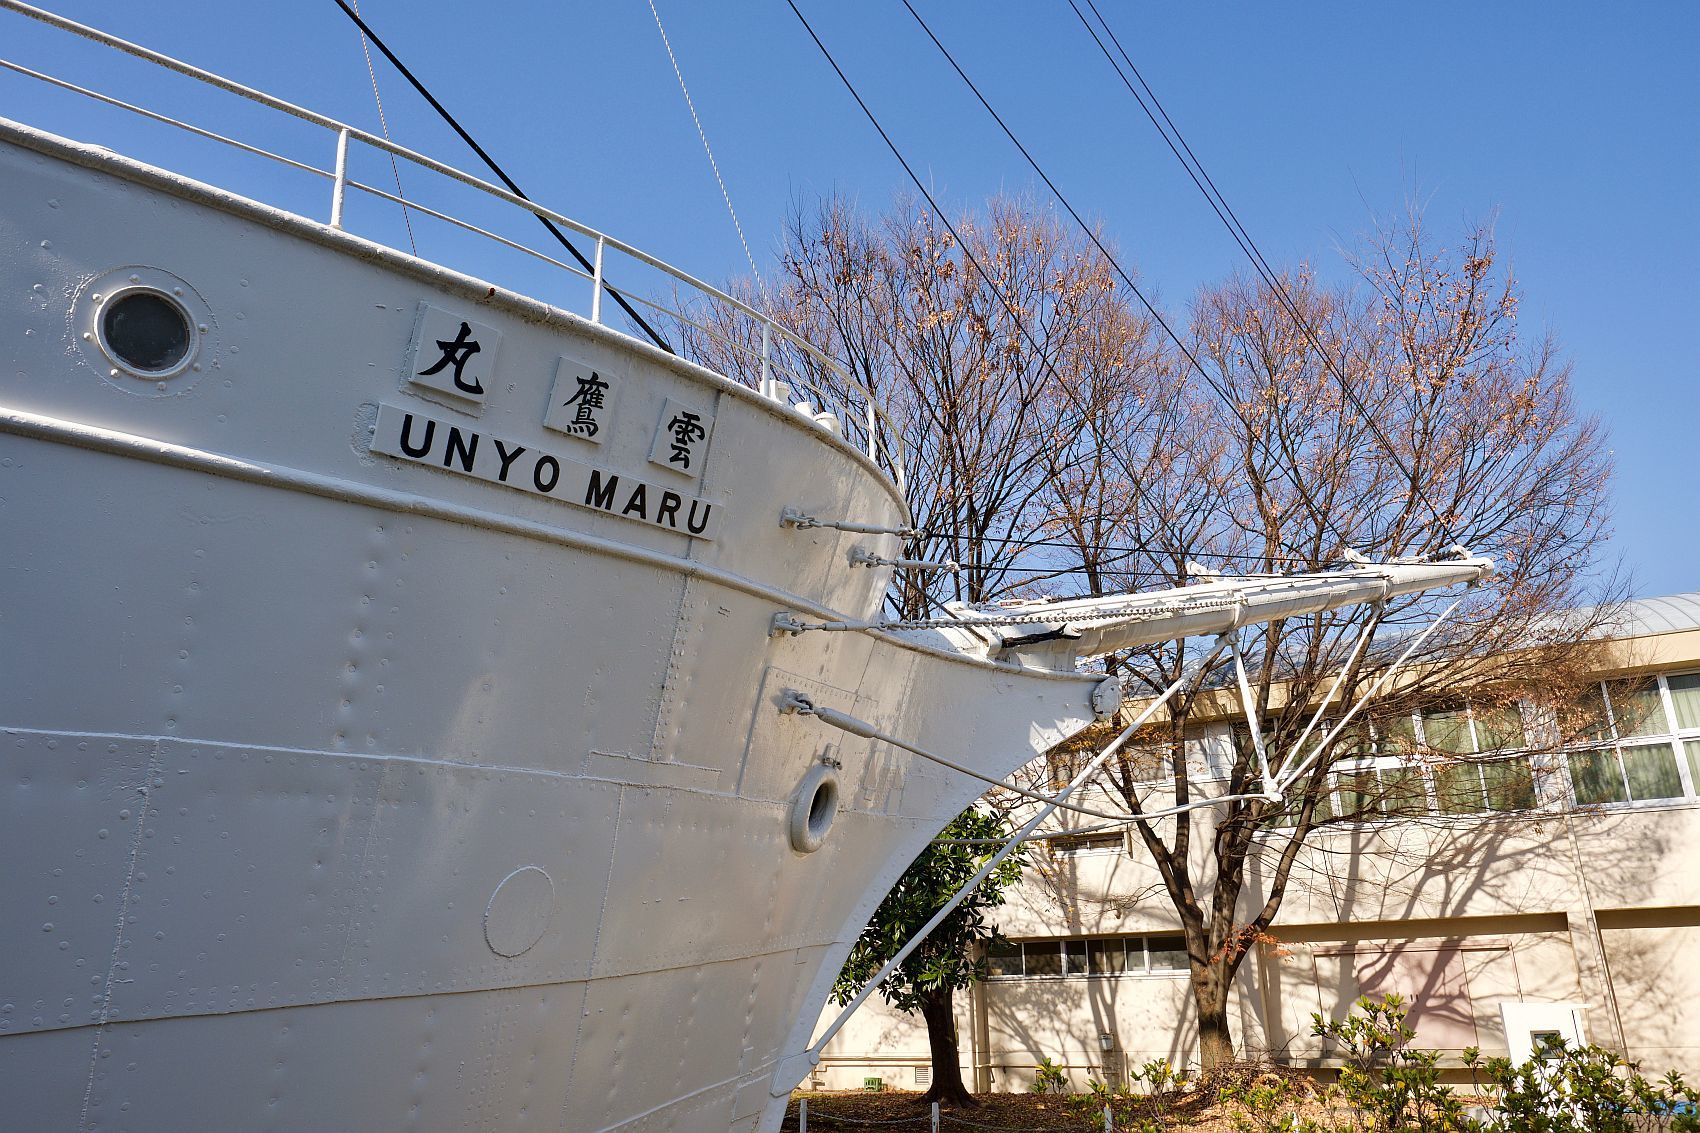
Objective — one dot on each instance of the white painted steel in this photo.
(343, 792)
(794, 1068)
(339, 179)
(891, 450)
(1056, 634)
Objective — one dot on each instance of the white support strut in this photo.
(1188, 674)
(1095, 626)
(1289, 778)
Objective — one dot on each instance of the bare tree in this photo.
(996, 386)
(1451, 433)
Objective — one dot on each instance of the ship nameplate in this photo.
(411, 435)
(582, 401)
(452, 356)
(681, 440)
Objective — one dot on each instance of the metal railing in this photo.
(749, 347)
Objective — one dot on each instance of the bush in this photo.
(1049, 1078)
(1565, 1089)
(1395, 1085)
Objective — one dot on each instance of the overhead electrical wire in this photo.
(1115, 264)
(442, 112)
(1008, 305)
(1225, 213)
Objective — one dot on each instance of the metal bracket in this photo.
(861, 556)
(792, 701)
(793, 517)
(784, 622)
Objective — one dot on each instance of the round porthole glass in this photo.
(146, 331)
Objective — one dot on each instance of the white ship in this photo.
(397, 731)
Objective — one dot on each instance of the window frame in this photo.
(1135, 951)
(1614, 743)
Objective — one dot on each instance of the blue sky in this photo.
(1578, 125)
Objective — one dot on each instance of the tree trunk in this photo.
(947, 1088)
(1210, 997)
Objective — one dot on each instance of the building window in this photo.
(1105, 957)
(1003, 958)
(1108, 840)
(1166, 953)
(1640, 742)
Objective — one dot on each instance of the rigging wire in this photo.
(442, 112)
(384, 124)
(1225, 213)
(1018, 541)
(701, 133)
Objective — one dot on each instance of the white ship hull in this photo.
(344, 790)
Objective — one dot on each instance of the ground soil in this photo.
(900, 1111)
(1199, 1110)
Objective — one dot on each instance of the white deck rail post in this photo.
(339, 180)
(766, 383)
(596, 281)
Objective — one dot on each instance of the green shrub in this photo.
(1566, 1089)
(1393, 1084)
(1049, 1078)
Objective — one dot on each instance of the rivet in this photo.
(87, 337)
(135, 279)
(97, 296)
(202, 327)
(177, 291)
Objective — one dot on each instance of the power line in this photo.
(1091, 234)
(1225, 213)
(1003, 300)
(968, 254)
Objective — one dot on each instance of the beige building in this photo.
(1554, 892)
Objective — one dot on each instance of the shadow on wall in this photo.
(1450, 914)
(1064, 1019)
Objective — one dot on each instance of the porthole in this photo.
(146, 331)
(813, 808)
